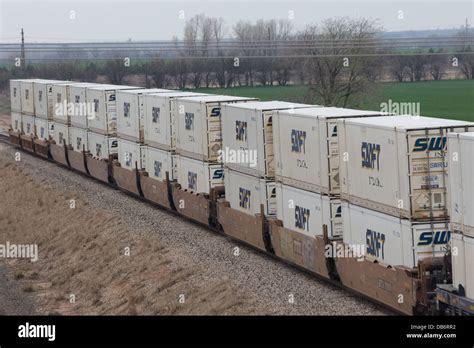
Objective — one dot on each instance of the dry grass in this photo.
(82, 253)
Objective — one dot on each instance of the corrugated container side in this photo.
(16, 122)
(101, 146)
(158, 118)
(307, 146)
(388, 169)
(198, 125)
(469, 257)
(158, 162)
(248, 136)
(299, 152)
(392, 240)
(246, 193)
(198, 176)
(131, 155)
(78, 139)
(306, 212)
(61, 133)
(28, 125)
(130, 113)
(43, 128)
(43, 95)
(60, 99)
(77, 97)
(104, 102)
(15, 95)
(461, 182)
(27, 97)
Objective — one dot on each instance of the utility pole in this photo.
(22, 49)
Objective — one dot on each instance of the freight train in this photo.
(362, 199)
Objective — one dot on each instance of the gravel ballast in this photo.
(272, 286)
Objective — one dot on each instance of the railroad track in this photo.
(4, 138)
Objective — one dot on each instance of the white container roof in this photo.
(269, 105)
(407, 122)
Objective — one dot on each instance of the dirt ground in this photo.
(84, 266)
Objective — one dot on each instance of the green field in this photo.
(448, 99)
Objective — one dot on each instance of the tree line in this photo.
(339, 59)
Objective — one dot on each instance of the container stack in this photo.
(198, 130)
(393, 182)
(159, 133)
(248, 155)
(32, 109)
(62, 111)
(307, 168)
(130, 127)
(461, 198)
(102, 120)
(44, 108)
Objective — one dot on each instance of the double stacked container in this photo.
(66, 108)
(248, 154)
(32, 107)
(159, 133)
(130, 126)
(307, 167)
(78, 115)
(102, 120)
(45, 107)
(461, 199)
(394, 173)
(198, 131)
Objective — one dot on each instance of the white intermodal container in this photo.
(131, 155)
(16, 122)
(198, 125)
(247, 130)
(130, 112)
(462, 255)
(160, 130)
(392, 240)
(158, 162)
(27, 97)
(60, 99)
(461, 182)
(397, 165)
(246, 193)
(44, 128)
(43, 97)
(78, 139)
(61, 134)
(15, 95)
(307, 146)
(28, 125)
(306, 212)
(77, 98)
(104, 117)
(101, 146)
(198, 176)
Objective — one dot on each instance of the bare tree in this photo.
(115, 70)
(399, 67)
(339, 68)
(436, 64)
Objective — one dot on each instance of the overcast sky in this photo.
(53, 21)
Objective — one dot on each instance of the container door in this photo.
(214, 131)
(428, 167)
(333, 156)
(268, 143)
